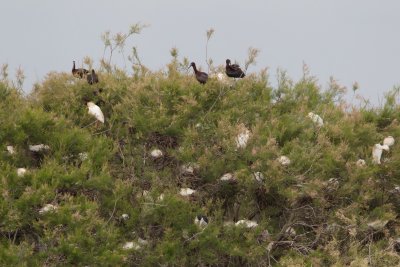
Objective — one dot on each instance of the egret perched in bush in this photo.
(47, 208)
(259, 176)
(389, 141)
(316, 119)
(243, 137)
(187, 192)
(360, 163)
(285, 161)
(156, 153)
(227, 177)
(377, 152)
(21, 172)
(201, 220)
(95, 111)
(38, 148)
(247, 223)
(10, 150)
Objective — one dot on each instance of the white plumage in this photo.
(377, 152)
(284, 160)
(47, 208)
(227, 177)
(95, 111)
(10, 150)
(259, 176)
(316, 119)
(389, 141)
(247, 223)
(360, 163)
(186, 192)
(38, 148)
(243, 137)
(21, 172)
(156, 153)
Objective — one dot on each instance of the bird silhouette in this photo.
(80, 72)
(92, 77)
(201, 77)
(233, 70)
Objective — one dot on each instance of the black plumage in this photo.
(201, 77)
(92, 77)
(80, 72)
(233, 70)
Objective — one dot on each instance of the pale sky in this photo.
(355, 40)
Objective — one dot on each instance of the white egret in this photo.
(377, 152)
(316, 119)
(95, 111)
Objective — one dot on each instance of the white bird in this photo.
(135, 245)
(125, 216)
(284, 160)
(243, 137)
(201, 220)
(187, 192)
(83, 156)
(259, 176)
(10, 150)
(38, 148)
(360, 163)
(95, 111)
(156, 153)
(377, 152)
(389, 141)
(316, 119)
(47, 208)
(247, 223)
(21, 172)
(227, 177)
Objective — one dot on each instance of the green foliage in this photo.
(106, 189)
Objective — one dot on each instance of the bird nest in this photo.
(156, 139)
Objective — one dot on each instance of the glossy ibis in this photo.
(79, 72)
(92, 77)
(201, 77)
(233, 70)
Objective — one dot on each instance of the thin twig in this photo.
(112, 214)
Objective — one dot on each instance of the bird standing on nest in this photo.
(201, 77)
(79, 73)
(92, 77)
(233, 70)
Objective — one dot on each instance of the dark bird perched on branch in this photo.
(79, 72)
(92, 77)
(233, 70)
(201, 77)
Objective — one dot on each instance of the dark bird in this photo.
(92, 77)
(201, 77)
(79, 72)
(201, 220)
(233, 70)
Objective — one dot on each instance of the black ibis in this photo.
(233, 70)
(201, 77)
(92, 77)
(79, 72)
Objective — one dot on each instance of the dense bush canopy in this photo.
(105, 189)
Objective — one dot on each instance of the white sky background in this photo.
(356, 40)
